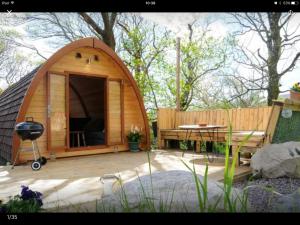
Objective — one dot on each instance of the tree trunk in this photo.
(273, 31)
(273, 89)
(106, 33)
(274, 51)
(109, 38)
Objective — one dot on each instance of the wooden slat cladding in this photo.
(38, 110)
(115, 112)
(57, 102)
(245, 119)
(105, 65)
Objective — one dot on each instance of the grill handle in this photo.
(35, 132)
(29, 119)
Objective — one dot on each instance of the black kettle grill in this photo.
(31, 130)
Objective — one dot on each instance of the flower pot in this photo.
(133, 146)
(295, 95)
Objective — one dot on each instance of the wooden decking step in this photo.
(241, 173)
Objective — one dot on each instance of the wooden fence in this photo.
(243, 119)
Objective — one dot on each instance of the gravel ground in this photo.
(262, 200)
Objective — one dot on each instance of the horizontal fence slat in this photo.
(246, 119)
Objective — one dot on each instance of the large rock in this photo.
(277, 160)
(288, 203)
(176, 188)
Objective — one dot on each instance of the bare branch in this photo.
(92, 23)
(260, 56)
(291, 66)
(288, 17)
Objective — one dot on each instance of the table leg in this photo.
(83, 139)
(73, 140)
(216, 139)
(78, 140)
(187, 137)
(210, 146)
(198, 146)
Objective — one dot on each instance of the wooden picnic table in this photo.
(210, 130)
(198, 127)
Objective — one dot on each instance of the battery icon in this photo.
(293, 3)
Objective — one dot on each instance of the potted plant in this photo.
(134, 137)
(295, 92)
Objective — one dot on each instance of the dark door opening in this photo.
(87, 118)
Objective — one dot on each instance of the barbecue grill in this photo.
(31, 130)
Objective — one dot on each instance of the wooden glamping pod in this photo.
(84, 96)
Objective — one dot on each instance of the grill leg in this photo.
(37, 148)
(33, 150)
(17, 156)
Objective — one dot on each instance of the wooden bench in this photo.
(255, 141)
(169, 119)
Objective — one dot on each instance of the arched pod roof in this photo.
(26, 87)
(10, 102)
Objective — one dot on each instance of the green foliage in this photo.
(296, 87)
(201, 188)
(229, 203)
(28, 202)
(142, 45)
(200, 55)
(220, 148)
(134, 135)
(17, 205)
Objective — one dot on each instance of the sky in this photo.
(177, 22)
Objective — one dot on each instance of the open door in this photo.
(116, 112)
(87, 112)
(57, 119)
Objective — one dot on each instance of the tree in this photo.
(67, 27)
(106, 33)
(242, 98)
(13, 62)
(200, 55)
(142, 44)
(277, 37)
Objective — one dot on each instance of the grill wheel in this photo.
(42, 160)
(36, 165)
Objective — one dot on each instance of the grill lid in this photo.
(29, 130)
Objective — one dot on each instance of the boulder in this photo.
(173, 191)
(277, 160)
(288, 203)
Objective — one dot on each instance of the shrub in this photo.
(28, 201)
